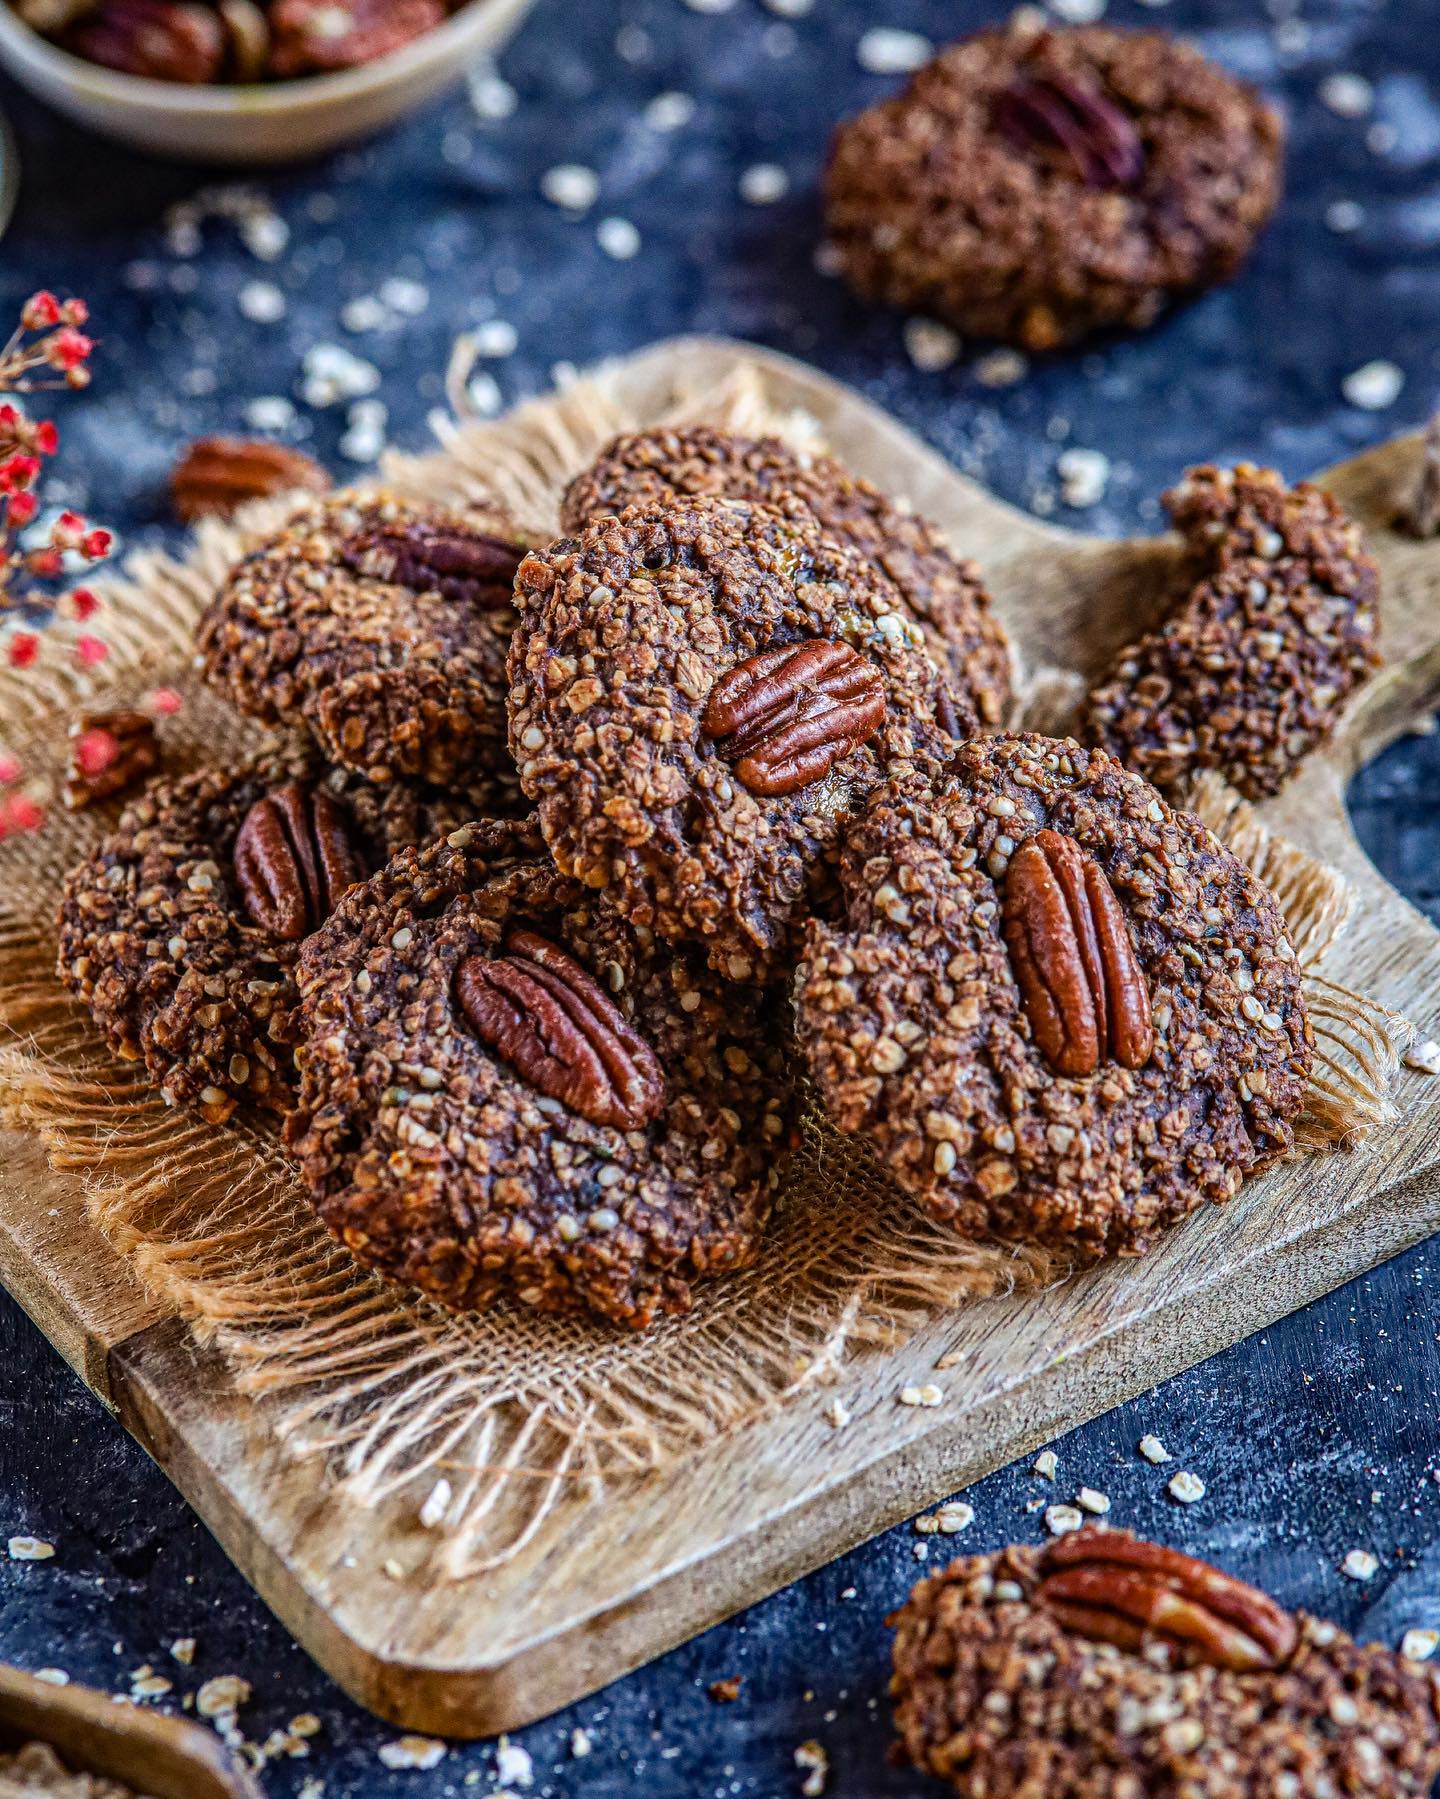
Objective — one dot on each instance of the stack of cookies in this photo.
(578, 860)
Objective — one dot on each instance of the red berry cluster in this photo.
(46, 349)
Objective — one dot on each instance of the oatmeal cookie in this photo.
(701, 692)
(1059, 1011)
(380, 625)
(945, 594)
(1146, 1671)
(180, 931)
(1277, 624)
(1038, 184)
(505, 1088)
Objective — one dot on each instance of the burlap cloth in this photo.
(387, 1392)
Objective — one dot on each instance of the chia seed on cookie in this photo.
(1002, 1690)
(1276, 624)
(506, 1089)
(944, 593)
(701, 693)
(1058, 1010)
(1034, 184)
(159, 940)
(380, 625)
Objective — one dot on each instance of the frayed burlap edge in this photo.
(511, 1410)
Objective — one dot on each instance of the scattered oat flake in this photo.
(53, 1677)
(1419, 1645)
(618, 238)
(1348, 96)
(669, 112)
(571, 186)
(1091, 1500)
(1060, 1520)
(1153, 1449)
(928, 1395)
(1186, 1487)
(1424, 1057)
(270, 412)
(149, 1685)
(812, 1755)
(437, 1504)
(837, 1414)
(513, 1766)
(1344, 216)
(580, 1743)
(763, 184)
(930, 345)
(1045, 1464)
(1001, 368)
(222, 1694)
(1084, 476)
(790, 9)
(412, 1752)
(30, 1549)
(948, 1521)
(495, 338)
(1359, 1564)
(1373, 386)
(727, 1691)
(886, 51)
(1078, 12)
(261, 302)
(394, 1567)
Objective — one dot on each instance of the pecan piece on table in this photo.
(294, 856)
(216, 475)
(539, 1009)
(787, 715)
(1117, 1589)
(310, 37)
(472, 568)
(1053, 112)
(1081, 985)
(109, 753)
(167, 40)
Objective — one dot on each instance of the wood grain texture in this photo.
(605, 1585)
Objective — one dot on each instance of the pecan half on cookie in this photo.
(942, 592)
(1276, 623)
(1036, 184)
(381, 626)
(506, 1089)
(1105, 1667)
(1058, 1010)
(180, 930)
(701, 693)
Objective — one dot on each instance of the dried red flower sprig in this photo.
(47, 349)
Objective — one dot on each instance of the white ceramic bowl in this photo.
(276, 121)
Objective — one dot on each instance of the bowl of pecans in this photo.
(245, 81)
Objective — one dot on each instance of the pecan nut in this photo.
(788, 715)
(471, 568)
(294, 856)
(314, 36)
(167, 40)
(109, 753)
(1080, 981)
(539, 1009)
(217, 475)
(1113, 1588)
(1089, 130)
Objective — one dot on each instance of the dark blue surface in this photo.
(1315, 1438)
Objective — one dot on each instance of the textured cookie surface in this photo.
(943, 593)
(632, 635)
(1036, 185)
(996, 1696)
(1277, 624)
(382, 627)
(433, 1136)
(912, 1017)
(157, 939)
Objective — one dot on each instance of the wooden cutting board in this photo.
(605, 1585)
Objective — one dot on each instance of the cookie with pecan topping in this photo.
(180, 930)
(1146, 1671)
(1060, 1011)
(1035, 184)
(381, 625)
(1276, 624)
(507, 1089)
(702, 691)
(943, 592)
